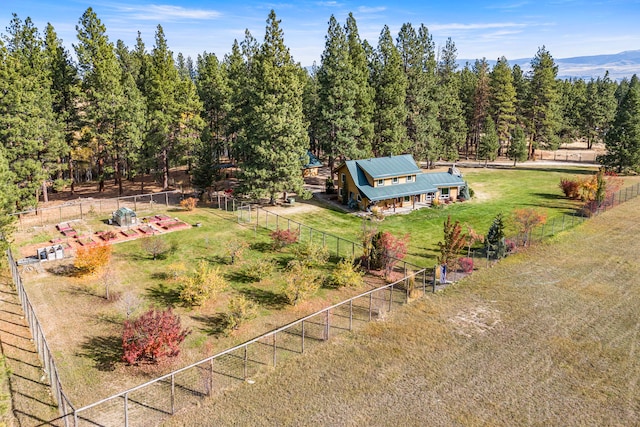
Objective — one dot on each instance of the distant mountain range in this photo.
(619, 65)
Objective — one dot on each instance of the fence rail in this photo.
(149, 403)
(46, 357)
(165, 395)
(83, 208)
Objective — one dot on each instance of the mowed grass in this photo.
(497, 190)
(546, 337)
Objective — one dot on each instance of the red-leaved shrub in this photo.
(282, 238)
(152, 336)
(466, 264)
(570, 188)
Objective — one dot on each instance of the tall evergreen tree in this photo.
(364, 92)
(544, 114)
(64, 92)
(489, 142)
(173, 108)
(599, 109)
(450, 114)
(468, 83)
(623, 140)
(214, 93)
(419, 63)
(8, 197)
(276, 139)
(102, 93)
(390, 84)
(502, 100)
(32, 138)
(518, 150)
(337, 91)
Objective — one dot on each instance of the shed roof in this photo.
(124, 212)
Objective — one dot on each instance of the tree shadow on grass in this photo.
(214, 325)
(239, 277)
(265, 298)
(65, 270)
(105, 351)
(164, 295)
(262, 247)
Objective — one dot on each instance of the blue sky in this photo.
(513, 28)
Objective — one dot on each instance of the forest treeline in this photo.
(113, 111)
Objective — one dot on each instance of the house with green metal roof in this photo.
(395, 182)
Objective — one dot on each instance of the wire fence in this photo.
(90, 207)
(44, 351)
(151, 402)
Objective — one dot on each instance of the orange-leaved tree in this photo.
(526, 219)
(91, 259)
(454, 241)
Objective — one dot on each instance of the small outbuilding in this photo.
(125, 217)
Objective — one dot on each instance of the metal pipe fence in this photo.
(46, 357)
(90, 207)
(149, 403)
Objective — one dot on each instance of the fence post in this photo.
(173, 394)
(390, 296)
(351, 314)
(126, 410)
(302, 336)
(326, 326)
(81, 216)
(211, 377)
(274, 349)
(424, 281)
(434, 277)
(370, 304)
(166, 199)
(244, 374)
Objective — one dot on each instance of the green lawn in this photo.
(496, 191)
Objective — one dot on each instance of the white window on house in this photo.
(409, 178)
(380, 182)
(358, 198)
(444, 193)
(394, 180)
(343, 178)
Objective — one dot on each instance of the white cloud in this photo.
(366, 9)
(159, 12)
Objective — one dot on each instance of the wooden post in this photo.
(245, 363)
(166, 199)
(126, 410)
(370, 304)
(326, 327)
(351, 314)
(210, 377)
(303, 336)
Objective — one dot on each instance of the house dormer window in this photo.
(409, 178)
(380, 182)
(394, 180)
(343, 178)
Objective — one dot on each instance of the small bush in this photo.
(282, 238)
(154, 335)
(203, 284)
(311, 255)
(240, 309)
(466, 264)
(346, 274)
(301, 282)
(259, 269)
(235, 249)
(189, 203)
(570, 188)
(510, 245)
(155, 246)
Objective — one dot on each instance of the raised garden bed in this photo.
(107, 235)
(85, 241)
(146, 229)
(129, 233)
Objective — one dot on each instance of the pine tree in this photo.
(489, 143)
(8, 195)
(214, 92)
(339, 130)
(468, 84)
(102, 92)
(173, 108)
(364, 92)
(599, 109)
(502, 100)
(623, 140)
(418, 57)
(65, 90)
(544, 114)
(517, 150)
(494, 242)
(33, 141)
(276, 139)
(390, 84)
(450, 116)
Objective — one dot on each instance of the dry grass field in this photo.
(547, 337)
